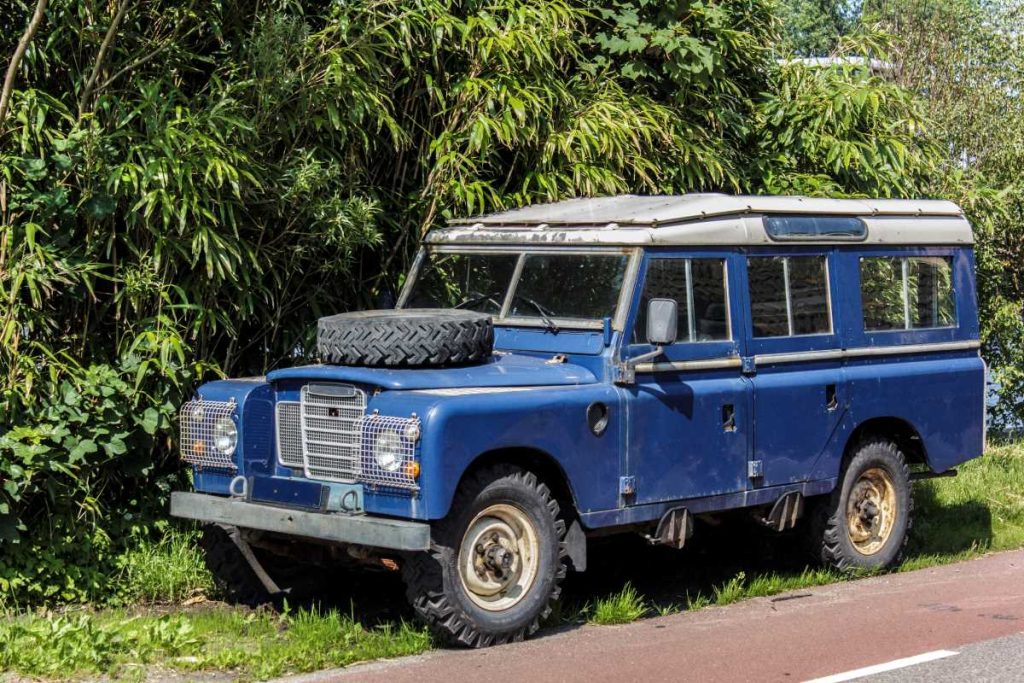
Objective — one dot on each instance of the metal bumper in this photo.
(377, 532)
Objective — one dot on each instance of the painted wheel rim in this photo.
(871, 511)
(499, 557)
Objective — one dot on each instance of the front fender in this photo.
(462, 425)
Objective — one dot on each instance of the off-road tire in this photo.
(233, 578)
(433, 583)
(405, 338)
(830, 537)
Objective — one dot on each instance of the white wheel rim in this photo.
(499, 557)
(871, 511)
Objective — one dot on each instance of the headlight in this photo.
(412, 431)
(225, 435)
(389, 451)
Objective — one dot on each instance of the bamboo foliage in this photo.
(186, 186)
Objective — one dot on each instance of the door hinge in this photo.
(755, 469)
(627, 486)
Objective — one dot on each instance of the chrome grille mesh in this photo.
(289, 434)
(197, 419)
(331, 431)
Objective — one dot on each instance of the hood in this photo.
(505, 370)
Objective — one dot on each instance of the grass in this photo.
(168, 571)
(621, 608)
(248, 644)
(979, 511)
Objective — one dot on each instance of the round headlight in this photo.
(388, 451)
(412, 431)
(225, 435)
(198, 414)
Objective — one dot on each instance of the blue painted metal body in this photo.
(666, 430)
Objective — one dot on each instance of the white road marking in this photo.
(888, 666)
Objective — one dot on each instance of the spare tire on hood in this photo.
(405, 338)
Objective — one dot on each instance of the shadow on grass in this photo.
(667, 579)
(947, 528)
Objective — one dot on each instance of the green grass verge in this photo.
(248, 644)
(979, 511)
(621, 608)
(168, 571)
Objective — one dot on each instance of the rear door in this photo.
(689, 413)
(795, 362)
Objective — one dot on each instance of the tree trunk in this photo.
(19, 52)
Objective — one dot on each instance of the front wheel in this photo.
(497, 561)
(864, 523)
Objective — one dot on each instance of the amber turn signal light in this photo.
(412, 469)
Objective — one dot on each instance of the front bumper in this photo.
(377, 532)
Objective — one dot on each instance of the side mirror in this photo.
(662, 321)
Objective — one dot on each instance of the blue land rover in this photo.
(616, 364)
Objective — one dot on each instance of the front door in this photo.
(795, 364)
(689, 413)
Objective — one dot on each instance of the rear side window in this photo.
(698, 286)
(788, 295)
(907, 293)
(815, 227)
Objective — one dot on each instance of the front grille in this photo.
(289, 434)
(197, 419)
(331, 431)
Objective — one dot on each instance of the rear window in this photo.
(907, 293)
(815, 227)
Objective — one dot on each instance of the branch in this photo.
(134, 65)
(83, 102)
(19, 52)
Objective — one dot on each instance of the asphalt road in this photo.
(959, 622)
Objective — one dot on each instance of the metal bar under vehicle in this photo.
(376, 532)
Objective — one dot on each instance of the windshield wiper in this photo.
(545, 314)
(475, 298)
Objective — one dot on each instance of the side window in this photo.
(815, 227)
(907, 293)
(788, 295)
(698, 286)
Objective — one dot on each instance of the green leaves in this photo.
(842, 130)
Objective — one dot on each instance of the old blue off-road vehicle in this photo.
(598, 365)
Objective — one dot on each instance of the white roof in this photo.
(703, 219)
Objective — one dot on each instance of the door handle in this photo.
(728, 418)
(831, 398)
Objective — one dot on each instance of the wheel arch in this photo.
(902, 432)
(541, 463)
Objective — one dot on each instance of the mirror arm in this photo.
(627, 369)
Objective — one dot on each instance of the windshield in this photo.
(563, 286)
(569, 286)
(477, 282)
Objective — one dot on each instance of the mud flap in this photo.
(675, 527)
(786, 511)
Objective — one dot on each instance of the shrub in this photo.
(84, 472)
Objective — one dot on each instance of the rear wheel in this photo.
(864, 523)
(497, 561)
